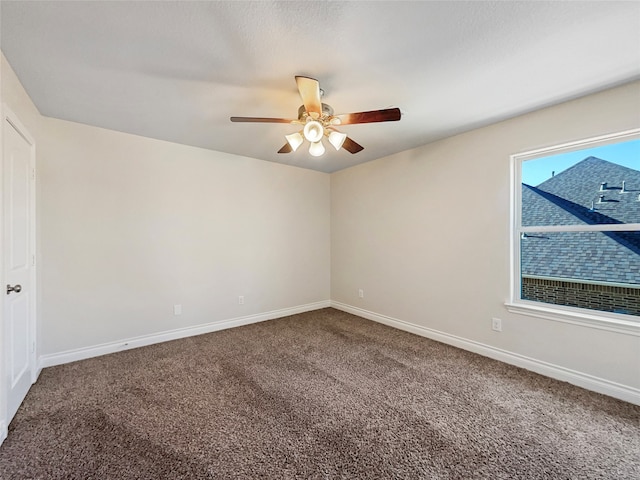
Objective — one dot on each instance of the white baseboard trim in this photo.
(68, 356)
(36, 373)
(4, 430)
(584, 380)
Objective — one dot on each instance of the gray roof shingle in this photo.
(567, 199)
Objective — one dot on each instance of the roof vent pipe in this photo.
(601, 199)
(593, 207)
(624, 190)
(603, 186)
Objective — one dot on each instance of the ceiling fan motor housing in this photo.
(327, 111)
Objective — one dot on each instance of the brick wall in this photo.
(605, 298)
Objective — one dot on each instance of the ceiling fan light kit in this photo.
(318, 120)
(313, 131)
(316, 149)
(295, 140)
(337, 139)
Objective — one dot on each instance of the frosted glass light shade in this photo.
(337, 139)
(294, 140)
(313, 131)
(316, 149)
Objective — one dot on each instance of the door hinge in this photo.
(33, 260)
(33, 174)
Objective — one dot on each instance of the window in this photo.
(576, 232)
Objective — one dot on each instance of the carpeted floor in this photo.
(323, 394)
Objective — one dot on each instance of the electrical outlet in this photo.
(496, 324)
(177, 309)
(241, 300)
(361, 293)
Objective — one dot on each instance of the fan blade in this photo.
(309, 89)
(351, 146)
(386, 115)
(260, 120)
(286, 148)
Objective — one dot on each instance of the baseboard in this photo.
(129, 343)
(36, 374)
(589, 382)
(3, 431)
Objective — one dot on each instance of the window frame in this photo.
(617, 322)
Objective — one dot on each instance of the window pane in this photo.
(594, 270)
(579, 188)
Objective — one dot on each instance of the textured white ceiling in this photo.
(178, 70)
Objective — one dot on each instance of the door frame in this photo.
(14, 121)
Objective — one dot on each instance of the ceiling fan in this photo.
(318, 121)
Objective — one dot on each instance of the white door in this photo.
(18, 263)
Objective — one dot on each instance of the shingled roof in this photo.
(587, 193)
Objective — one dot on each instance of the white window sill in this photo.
(626, 324)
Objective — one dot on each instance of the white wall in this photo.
(15, 97)
(131, 226)
(425, 234)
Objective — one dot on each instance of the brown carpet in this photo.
(323, 394)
